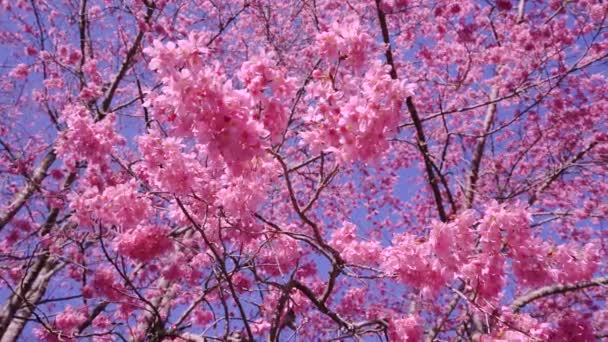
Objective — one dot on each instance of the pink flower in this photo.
(85, 139)
(411, 261)
(20, 72)
(406, 329)
(144, 243)
(356, 123)
(202, 317)
(121, 205)
(69, 320)
(102, 321)
(352, 248)
(260, 328)
(104, 284)
(575, 328)
(30, 51)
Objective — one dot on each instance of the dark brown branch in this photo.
(96, 311)
(420, 137)
(275, 330)
(428, 163)
(432, 333)
(556, 289)
(515, 93)
(221, 264)
(569, 163)
(224, 26)
(386, 37)
(126, 65)
(336, 258)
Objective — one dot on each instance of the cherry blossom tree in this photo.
(249, 170)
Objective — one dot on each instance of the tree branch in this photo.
(421, 139)
(478, 154)
(551, 290)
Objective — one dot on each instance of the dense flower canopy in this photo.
(314, 170)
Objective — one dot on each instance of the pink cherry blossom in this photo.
(244, 170)
(144, 243)
(20, 72)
